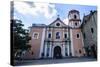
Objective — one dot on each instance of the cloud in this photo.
(46, 9)
(65, 21)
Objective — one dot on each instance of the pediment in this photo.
(57, 23)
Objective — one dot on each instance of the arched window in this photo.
(78, 35)
(32, 53)
(65, 35)
(57, 35)
(80, 51)
(75, 16)
(35, 35)
(49, 35)
(76, 24)
(92, 31)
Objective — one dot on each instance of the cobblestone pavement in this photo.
(53, 61)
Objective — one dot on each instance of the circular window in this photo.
(58, 24)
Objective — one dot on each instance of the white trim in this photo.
(68, 34)
(68, 48)
(63, 53)
(37, 35)
(50, 50)
(45, 54)
(42, 42)
(72, 48)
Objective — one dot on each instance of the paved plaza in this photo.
(53, 61)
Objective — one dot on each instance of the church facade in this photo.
(57, 40)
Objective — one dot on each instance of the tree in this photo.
(19, 36)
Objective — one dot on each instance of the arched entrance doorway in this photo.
(57, 52)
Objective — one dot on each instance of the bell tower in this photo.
(74, 19)
(75, 33)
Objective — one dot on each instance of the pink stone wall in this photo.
(77, 42)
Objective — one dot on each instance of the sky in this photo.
(45, 13)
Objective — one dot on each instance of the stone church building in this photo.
(57, 40)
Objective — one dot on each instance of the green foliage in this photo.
(19, 35)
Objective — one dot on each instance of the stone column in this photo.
(68, 48)
(50, 50)
(42, 42)
(63, 50)
(45, 54)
